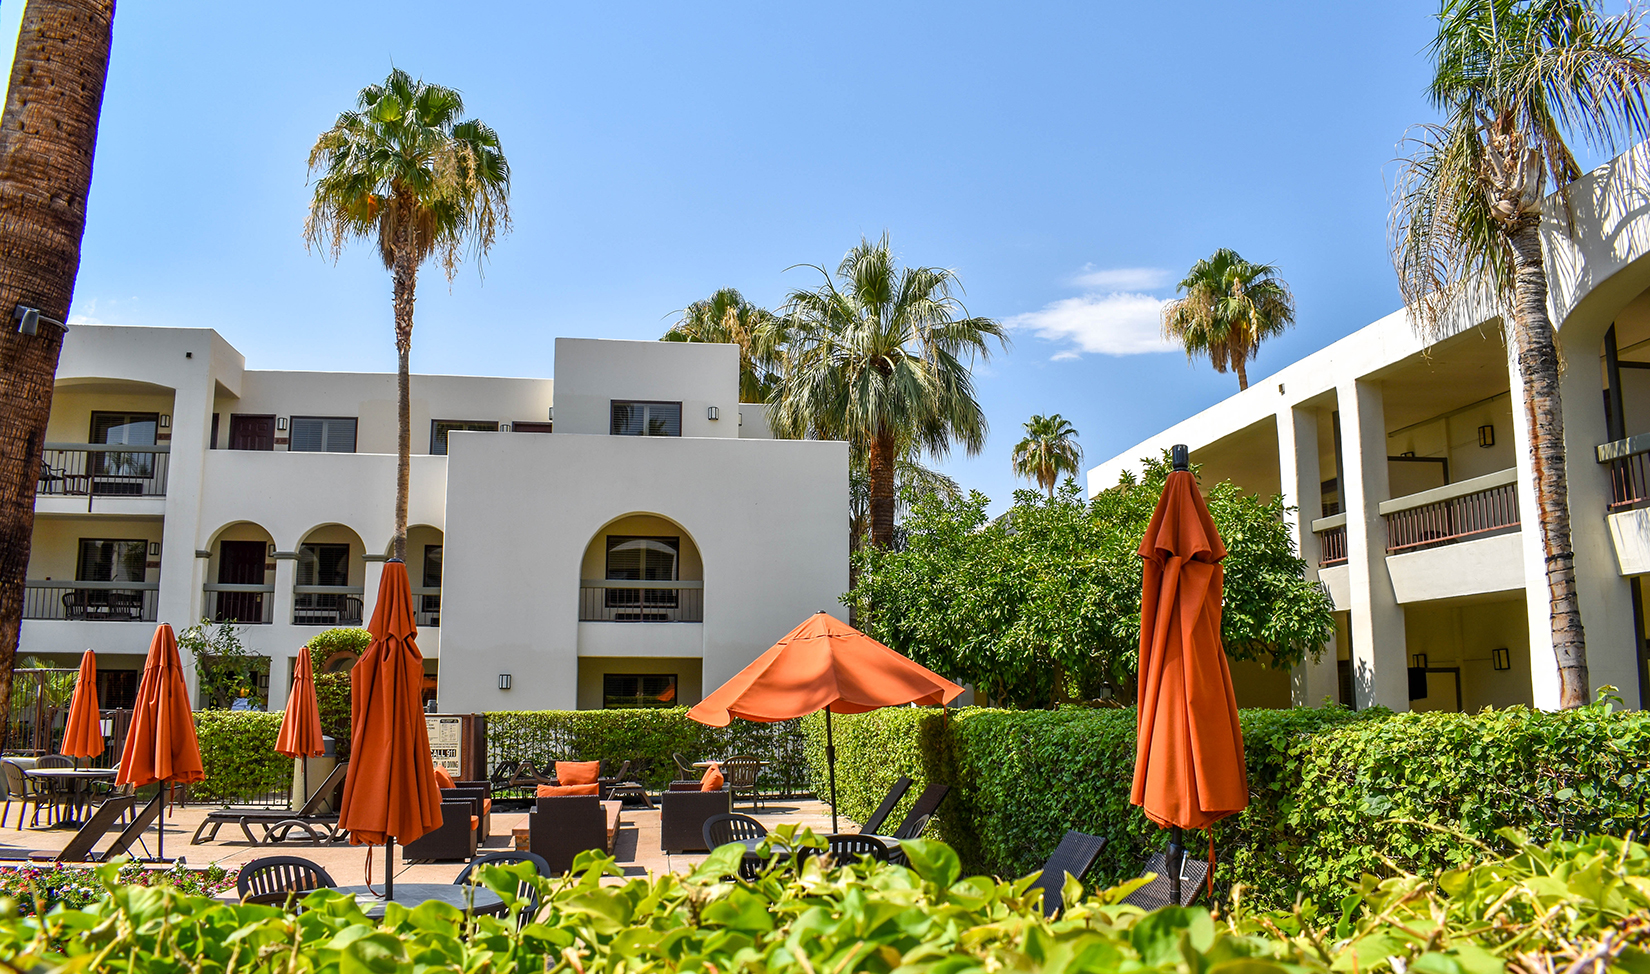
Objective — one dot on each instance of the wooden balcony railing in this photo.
(1331, 532)
(1458, 512)
(1629, 462)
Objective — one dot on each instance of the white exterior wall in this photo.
(596, 372)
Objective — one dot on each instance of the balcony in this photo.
(326, 605)
(602, 600)
(250, 605)
(427, 606)
(1331, 532)
(90, 601)
(1476, 508)
(102, 470)
(1628, 510)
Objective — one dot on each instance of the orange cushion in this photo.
(474, 821)
(712, 781)
(486, 806)
(577, 772)
(442, 778)
(557, 791)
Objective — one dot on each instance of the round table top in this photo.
(706, 764)
(70, 772)
(485, 902)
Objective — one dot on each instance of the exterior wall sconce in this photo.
(1486, 436)
(504, 681)
(272, 549)
(504, 427)
(154, 549)
(550, 414)
(1419, 661)
(165, 421)
(280, 423)
(1501, 659)
(710, 412)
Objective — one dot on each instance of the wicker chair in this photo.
(740, 773)
(274, 878)
(683, 811)
(560, 828)
(1074, 855)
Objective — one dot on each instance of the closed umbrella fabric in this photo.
(160, 744)
(300, 734)
(1189, 769)
(83, 735)
(390, 790)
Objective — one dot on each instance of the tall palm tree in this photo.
(727, 318)
(1511, 78)
(404, 167)
(47, 135)
(1228, 306)
(1048, 450)
(879, 356)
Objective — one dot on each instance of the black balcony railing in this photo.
(245, 604)
(326, 605)
(102, 470)
(631, 601)
(427, 606)
(91, 601)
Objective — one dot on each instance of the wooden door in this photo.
(240, 563)
(251, 432)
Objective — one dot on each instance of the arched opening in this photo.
(240, 574)
(328, 585)
(641, 568)
(424, 545)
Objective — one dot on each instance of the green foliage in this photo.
(223, 667)
(332, 690)
(36, 889)
(238, 754)
(1333, 795)
(646, 738)
(1576, 906)
(1042, 605)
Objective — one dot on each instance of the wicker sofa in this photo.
(560, 828)
(456, 837)
(683, 811)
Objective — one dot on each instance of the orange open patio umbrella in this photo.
(826, 665)
(160, 744)
(83, 734)
(394, 795)
(1189, 771)
(300, 734)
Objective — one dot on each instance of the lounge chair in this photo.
(916, 820)
(1193, 874)
(279, 823)
(896, 791)
(95, 828)
(1074, 855)
(133, 832)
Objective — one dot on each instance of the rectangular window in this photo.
(108, 560)
(439, 428)
(531, 427)
(638, 690)
(432, 566)
(323, 434)
(248, 432)
(134, 429)
(323, 564)
(642, 560)
(647, 418)
(124, 471)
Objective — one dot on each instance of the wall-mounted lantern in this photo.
(154, 549)
(1501, 659)
(165, 421)
(272, 549)
(1486, 435)
(504, 681)
(504, 427)
(710, 412)
(280, 423)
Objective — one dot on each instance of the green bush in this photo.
(1333, 794)
(238, 754)
(38, 888)
(332, 690)
(647, 738)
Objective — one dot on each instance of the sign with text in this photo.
(446, 740)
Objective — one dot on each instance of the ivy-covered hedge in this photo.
(647, 738)
(1333, 794)
(238, 753)
(332, 693)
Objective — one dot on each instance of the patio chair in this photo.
(21, 788)
(525, 890)
(916, 820)
(606, 783)
(279, 823)
(560, 828)
(454, 838)
(683, 812)
(684, 770)
(274, 878)
(1074, 855)
(847, 848)
(1193, 874)
(740, 774)
(79, 848)
(719, 830)
(896, 791)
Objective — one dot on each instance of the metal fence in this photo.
(39, 714)
(1629, 481)
(632, 601)
(427, 606)
(102, 470)
(245, 604)
(91, 601)
(1456, 519)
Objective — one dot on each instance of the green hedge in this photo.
(332, 690)
(238, 753)
(1333, 794)
(647, 738)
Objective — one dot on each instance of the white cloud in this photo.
(1120, 279)
(1120, 323)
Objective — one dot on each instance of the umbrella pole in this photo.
(389, 868)
(830, 762)
(1177, 855)
(160, 823)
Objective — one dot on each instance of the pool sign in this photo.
(446, 733)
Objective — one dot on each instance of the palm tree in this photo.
(727, 318)
(1511, 77)
(405, 169)
(1227, 308)
(1048, 450)
(47, 135)
(880, 357)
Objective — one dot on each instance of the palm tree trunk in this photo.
(1538, 368)
(406, 284)
(880, 461)
(1242, 373)
(47, 136)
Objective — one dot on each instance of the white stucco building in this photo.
(1408, 462)
(626, 534)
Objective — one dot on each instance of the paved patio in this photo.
(636, 847)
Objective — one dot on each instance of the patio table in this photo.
(76, 780)
(483, 901)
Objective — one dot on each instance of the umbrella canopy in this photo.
(83, 735)
(826, 665)
(160, 744)
(1189, 770)
(300, 734)
(392, 795)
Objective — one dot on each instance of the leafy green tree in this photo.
(224, 667)
(879, 356)
(1227, 307)
(727, 318)
(1048, 450)
(1513, 79)
(1042, 605)
(407, 170)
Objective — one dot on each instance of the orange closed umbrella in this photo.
(826, 665)
(83, 735)
(160, 744)
(1189, 770)
(300, 734)
(393, 794)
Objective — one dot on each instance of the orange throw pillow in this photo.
(712, 781)
(442, 778)
(577, 772)
(558, 791)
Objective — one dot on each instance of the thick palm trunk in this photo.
(880, 461)
(1538, 369)
(46, 140)
(406, 284)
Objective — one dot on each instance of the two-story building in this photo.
(628, 534)
(1407, 465)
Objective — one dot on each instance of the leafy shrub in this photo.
(332, 690)
(223, 667)
(37, 889)
(238, 754)
(1333, 794)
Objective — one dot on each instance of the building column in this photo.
(1299, 478)
(286, 576)
(1380, 663)
(179, 594)
(374, 567)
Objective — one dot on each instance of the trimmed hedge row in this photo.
(238, 754)
(1333, 794)
(646, 738)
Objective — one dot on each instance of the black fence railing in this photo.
(427, 606)
(633, 601)
(246, 604)
(102, 470)
(326, 605)
(91, 601)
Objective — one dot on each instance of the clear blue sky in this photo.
(1068, 161)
